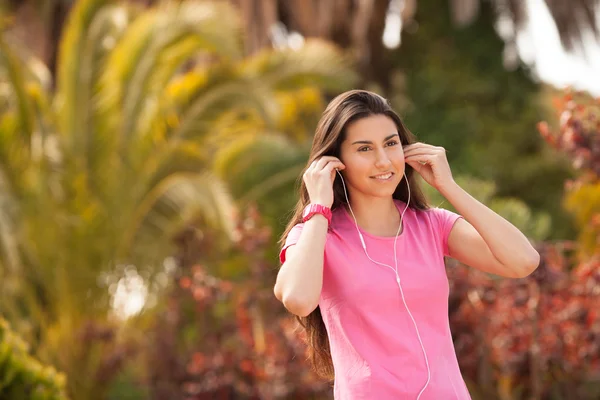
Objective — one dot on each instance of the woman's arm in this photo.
(485, 241)
(300, 279)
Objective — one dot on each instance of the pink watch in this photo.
(313, 209)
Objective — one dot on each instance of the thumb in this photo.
(334, 172)
(415, 165)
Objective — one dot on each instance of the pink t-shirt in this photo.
(374, 346)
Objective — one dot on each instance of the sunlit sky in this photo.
(540, 44)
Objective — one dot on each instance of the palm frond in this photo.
(72, 76)
(176, 201)
(154, 49)
(13, 68)
(105, 30)
(200, 109)
(317, 63)
(198, 98)
(9, 242)
(26, 152)
(186, 156)
(256, 166)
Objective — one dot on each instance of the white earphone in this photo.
(362, 240)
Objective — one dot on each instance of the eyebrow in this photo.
(369, 142)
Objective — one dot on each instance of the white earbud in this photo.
(393, 269)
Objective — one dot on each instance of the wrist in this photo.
(320, 202)
(318, 219)
(314, 209)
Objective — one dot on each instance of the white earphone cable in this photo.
(395, 271)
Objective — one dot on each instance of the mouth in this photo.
(383, 177)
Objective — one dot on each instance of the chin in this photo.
(382, 192)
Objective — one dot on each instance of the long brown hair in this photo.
(343, 110)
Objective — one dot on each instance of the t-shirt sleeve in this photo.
(445, 220)
(292, 238)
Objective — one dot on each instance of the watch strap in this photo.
(313, 209)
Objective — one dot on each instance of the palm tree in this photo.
(100, 173)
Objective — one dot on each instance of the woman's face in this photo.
(373, 156)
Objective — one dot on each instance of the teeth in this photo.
(386, 176)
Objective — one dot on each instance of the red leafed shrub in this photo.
(578, 135)
(539, 337)
(221, 339)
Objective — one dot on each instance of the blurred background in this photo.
(150, 152)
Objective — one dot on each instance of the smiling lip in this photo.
(383, 177)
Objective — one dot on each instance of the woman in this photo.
(363, 255)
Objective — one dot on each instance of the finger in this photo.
(420, 156)
(331, 165)
(335, 170)
(422, 159)
(423, 147)
(418, 165)
(416, 144)
(324, 162)
(315, 166)
(415, 165)
(321, 162)
(419, 145)
(329, 158)
(310, 167)
(419, 152)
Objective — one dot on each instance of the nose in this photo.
(382, 162)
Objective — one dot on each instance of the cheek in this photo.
(398, 158)
(400, 154)
(356, 169)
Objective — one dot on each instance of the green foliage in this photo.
(454, 91)
(535, 226)
(584, 203)
(263, 170)
(21, 375)
(97, 176)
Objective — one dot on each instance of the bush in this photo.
(220, 338)
(21, 375)
(539, 337)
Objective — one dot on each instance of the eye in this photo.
(392, 143)
(364, 148)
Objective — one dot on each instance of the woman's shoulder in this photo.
(438, 212)
(337, 217)
(437, 217)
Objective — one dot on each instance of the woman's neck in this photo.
(376, 215)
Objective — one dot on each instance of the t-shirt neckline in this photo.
(385, 238)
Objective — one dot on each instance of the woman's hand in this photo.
(430, 162)
(319, 177)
